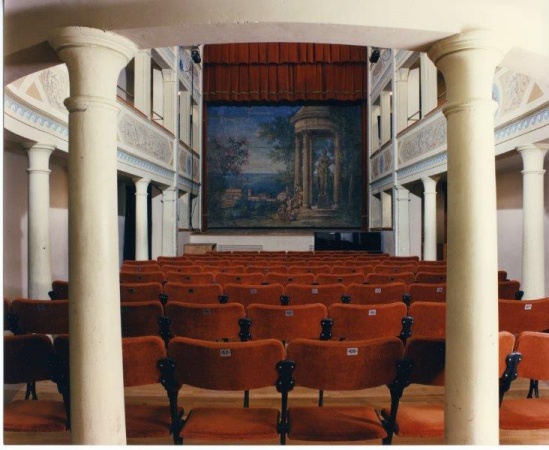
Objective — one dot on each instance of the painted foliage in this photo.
(284, 166)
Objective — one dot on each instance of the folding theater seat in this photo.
(266, 294)
(526, 315)
(138, 292)
(144, 364)
(185, 268)
(39, 316)
(431, 277)
(142, 318)
(429, 319)
(30, 358)
(340, 278)
(224, 268)
(59, 290)
(142, 277)
(374, 294)
(357, 322)
(427, 292)
(190, 277)
(286, 278)
(209, 322)
(229, 366)
(286, 322)
(345, 366)
(224, 278)
(354, 268)
(303, 294)
(385, 278)
(194, 293)
(395, 268)
(433, 268)
(509, 290)
(528, 413)
(294, 269)
(281, 268)
(132, 268)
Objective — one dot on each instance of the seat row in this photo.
(351, 366)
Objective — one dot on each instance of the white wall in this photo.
(15, 236)
(509, 214)
(416, 225)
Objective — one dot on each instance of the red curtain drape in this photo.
(284, 72)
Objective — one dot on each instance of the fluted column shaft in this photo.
(533, 239)
(468, 62)
(94, 59)
(429, 219)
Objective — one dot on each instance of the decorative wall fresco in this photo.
(297, 166)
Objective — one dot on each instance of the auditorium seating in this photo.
(382, 277)
(30, 358)
(509, 289)
(195, 293)
(266, 294)
(209, 322)
(190, 277)
(141, 318)
(205, 365)
(224, 278)
(142, 277)
(59, 290)
(39, 316)
(526, 315)
(343, 366)
(138, 292)
(373, 294)
(427, 292)
(342, 278)
(528, 413)
(285, 278)
(357, 322)
(286, 322)
(303, 294)
(431, 277)
(429, 319)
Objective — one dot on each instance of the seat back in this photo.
(267, 294)
(140, 360)
(428, 357)
(508, 289)
(139, 292)
(344, 365)
(354, 268)
(206, 365)
(304, 294)
(506, 346)
(266, 268)
(286, 278)
(386, 278)
(185, 268)
(133, 268)
(27, 358)
(293, 269)
(40, 316)
(224, 268)
(141, 318)
(142, 277)
(286, 322)
(374, 294)
(340, 278)
(59, 290)
(212, 322)
(355, 322)
(254, 278)
(190, 277)
(427, 292)
(193, 293)
(395, 268)
(431, 277)
(525, 315)
(534, 348)
(429, 319)
(433, 268)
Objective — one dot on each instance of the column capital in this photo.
(168, 75)
(39, 157)
(401, 193)
(468, 61)
(402, 74)
(430, 184)
(532, 158)
(94, 58)
(141, 185)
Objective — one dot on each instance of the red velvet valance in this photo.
(284, 72)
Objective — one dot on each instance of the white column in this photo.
(429, 219)
(39, 263)
(169, 222)
(143, 82)
(401, 94)
(170, 105)
(94, 59)
(402, 231)
(141, 219)
(468, 62)
(375, 137)
(533, 239)
(428, 85)
(386, 209)
(385, 100)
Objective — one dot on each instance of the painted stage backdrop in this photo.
(284, 166)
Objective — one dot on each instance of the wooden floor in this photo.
(189, 397)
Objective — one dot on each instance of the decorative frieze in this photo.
(55, 83)
(422, 140)
(382, 163)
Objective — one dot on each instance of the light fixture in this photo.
(195, 55)
(374, 56)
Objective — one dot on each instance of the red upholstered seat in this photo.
(35, 416)
(420, 420)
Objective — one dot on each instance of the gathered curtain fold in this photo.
(284, 72)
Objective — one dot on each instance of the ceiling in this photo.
(416, 25)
